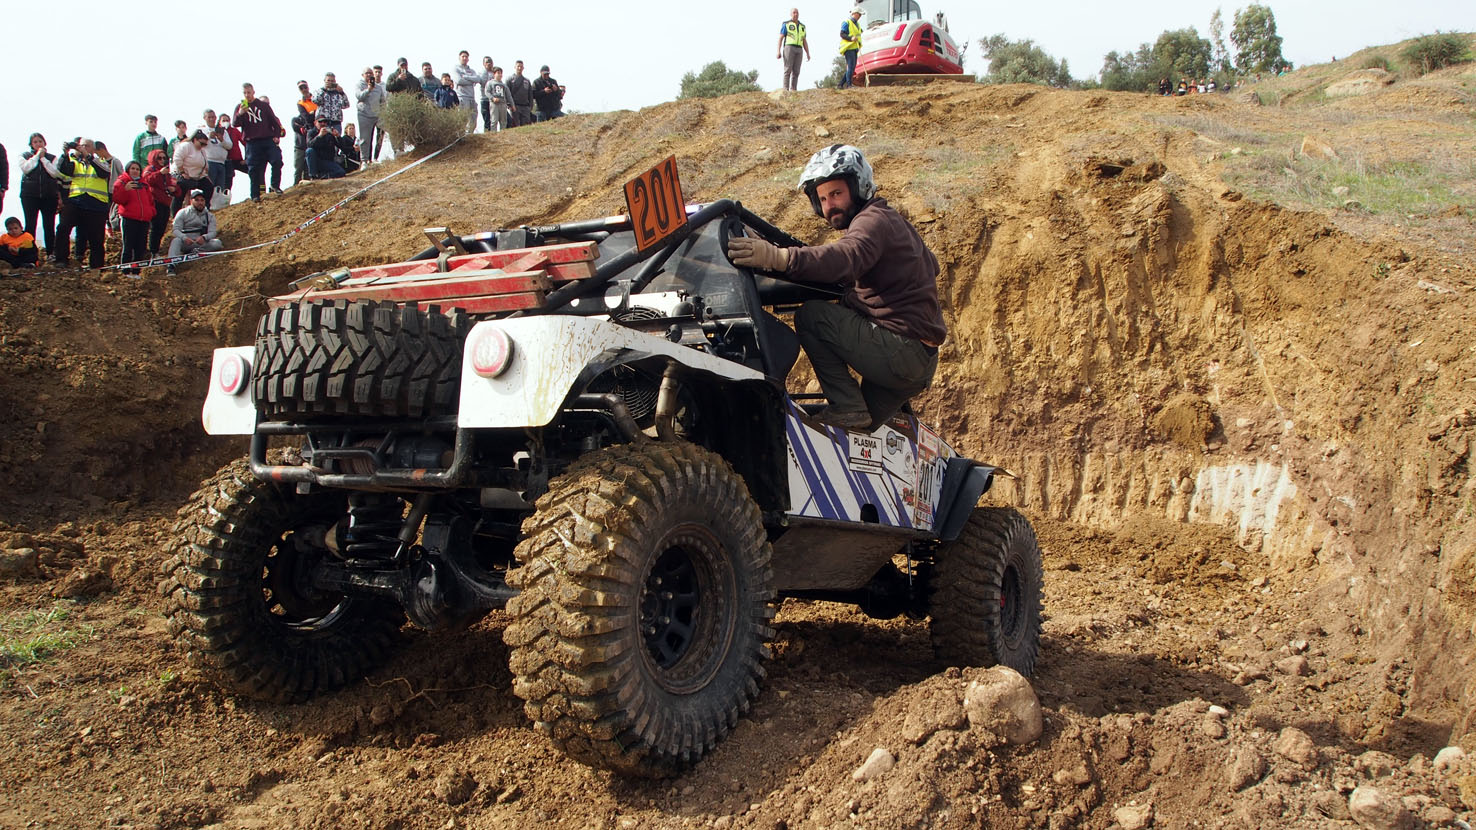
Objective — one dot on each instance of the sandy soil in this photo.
(1241, 428)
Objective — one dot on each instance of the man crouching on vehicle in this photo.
(888, 324)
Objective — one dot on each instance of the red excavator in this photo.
(899, 44)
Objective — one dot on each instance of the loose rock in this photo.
(1375, 810)
(1449, 758)
(1001, 703)
(454, 786)
(19, 563)
(1134, 816)
(1246, 769)
(877, 763)
(1296, 746)
(81, 583)
(1297, 666)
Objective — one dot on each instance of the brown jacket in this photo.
(889, 274)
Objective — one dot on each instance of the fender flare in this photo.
(964, 481)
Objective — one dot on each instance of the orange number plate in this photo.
(654, 200)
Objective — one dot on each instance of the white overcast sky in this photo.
(610, 55)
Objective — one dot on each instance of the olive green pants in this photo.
(893, 368)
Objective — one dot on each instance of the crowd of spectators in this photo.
(76, 198)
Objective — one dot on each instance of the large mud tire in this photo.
(986, 597)
(232, 585)
(647, 595)
(362, 358)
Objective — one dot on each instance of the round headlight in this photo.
(491, 353)
(234, 374)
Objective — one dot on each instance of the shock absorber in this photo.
(374, 526)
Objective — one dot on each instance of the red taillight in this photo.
(234, 374)
(900, 30)
(491, 353)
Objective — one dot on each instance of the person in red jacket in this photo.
(135, 201)
(163, 187)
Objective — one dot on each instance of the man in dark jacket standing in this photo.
(261, 129)
(521, 89)
(889, 324)
(548, 95)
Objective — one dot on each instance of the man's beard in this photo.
(841, 219)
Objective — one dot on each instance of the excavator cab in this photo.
(878, 12)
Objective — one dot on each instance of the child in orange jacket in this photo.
(17, 248)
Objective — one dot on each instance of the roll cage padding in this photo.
(964, 481)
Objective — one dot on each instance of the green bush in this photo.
(1437, 51)
(416, 120)
(1377, 62)
(717, 79)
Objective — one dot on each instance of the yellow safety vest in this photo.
(852, 31)
(85, 181)
(794, 33)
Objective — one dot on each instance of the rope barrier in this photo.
(302, 226)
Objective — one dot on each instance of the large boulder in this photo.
(1000, 703)
(1361, 82)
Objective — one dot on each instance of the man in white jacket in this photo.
(217, 150)
(191, 167)
(467, 81)
(370, 95)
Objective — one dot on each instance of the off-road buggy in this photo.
(595, 436)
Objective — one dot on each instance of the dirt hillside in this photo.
(1238, 404)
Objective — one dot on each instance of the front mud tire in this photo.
(647, 598)
(236, 598)
(986, 598)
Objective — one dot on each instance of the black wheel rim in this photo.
(287, 593)
(1012, 607)
(684, 603)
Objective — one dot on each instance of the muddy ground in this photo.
(1241, 423)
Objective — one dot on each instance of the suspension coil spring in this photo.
(374, 526)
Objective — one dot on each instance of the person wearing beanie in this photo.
(195, 230)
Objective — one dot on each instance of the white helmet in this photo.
(838, 161)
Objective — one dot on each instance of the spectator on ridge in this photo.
(322, 152)
(217, 151)
(487, 67)
(520, 93)
(235, 158)
(496, 92)
(401, 80)
(41, 186)
(548, 95)
(195, 230)
(163, 188)
(181, 133)
(467, 81)
(17, 246)
(303, 129)
(85, 208)
(261, 129)
(850, 48)
(445, 94)
(792, 46)
(192, 166)
(371, 103)
(148, 140)
(332, 101)
(136, 205)
(348, 146)
(114, 166)
(429, 83)
(378, 127)
(4, 175)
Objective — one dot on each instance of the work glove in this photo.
(747, 252)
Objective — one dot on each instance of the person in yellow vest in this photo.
(792, 44)
(86, 206)
(850, 45)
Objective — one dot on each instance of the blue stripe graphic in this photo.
(818, 491)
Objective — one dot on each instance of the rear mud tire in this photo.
(230, 585)
(647, 598)
(358, 358)
(986, 600)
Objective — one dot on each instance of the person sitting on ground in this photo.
(322, 152)
(17, 248)
(136, 207)
(350, 149)
(445, 94)
(194, 230)
(889, 324)
(163, 188)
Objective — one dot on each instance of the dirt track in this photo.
(1242, 429)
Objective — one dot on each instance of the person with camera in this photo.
(261, 129)
(85, 209)
(548, 95)
(349, 154)
(370, 95)
(192, 166)
(41, 188)
(194, 230)
(136, 206)
(332, 101)
(163, 188)
(217, 150)
(322, 152)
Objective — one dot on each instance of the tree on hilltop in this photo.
(1180, 53)
(717, 79)
(1022, 62)
(837, 73)
(1221, 59)
(1257, 46)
